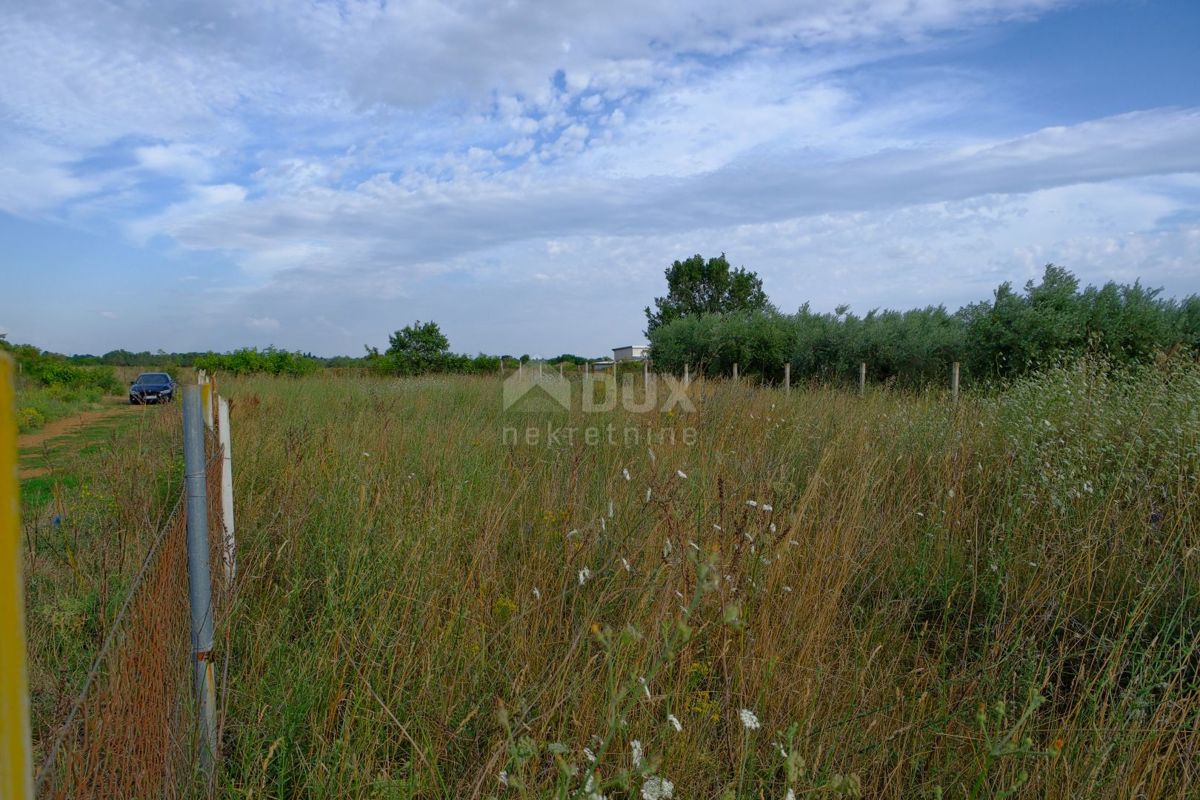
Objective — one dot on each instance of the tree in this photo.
(696, 287)
(420, 347)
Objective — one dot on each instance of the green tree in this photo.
(696, 287)
(420, 347)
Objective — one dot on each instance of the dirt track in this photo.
(67, 426)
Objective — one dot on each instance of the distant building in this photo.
(632, 352)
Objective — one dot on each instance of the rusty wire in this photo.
(131, 731)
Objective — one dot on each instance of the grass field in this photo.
(886, 596)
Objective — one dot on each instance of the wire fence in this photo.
(132, 730)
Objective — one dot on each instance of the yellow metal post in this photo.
(16, 759)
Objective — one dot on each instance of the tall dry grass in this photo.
(890, 596)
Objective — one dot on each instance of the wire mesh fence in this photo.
(132, 729)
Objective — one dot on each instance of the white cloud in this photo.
(262, 323)
(343, 156)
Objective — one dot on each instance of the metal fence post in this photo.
(227, 491)
(199, 580)
(16, 751)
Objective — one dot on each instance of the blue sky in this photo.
(316, 175)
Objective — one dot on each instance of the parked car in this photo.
(152, 387)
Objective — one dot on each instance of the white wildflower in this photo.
(749, 721)
(589, 755)
(365, 453)
(656, 788)
(645, 687)
(636, 747)
(589, 788)
(772, 527)
(767, 507)
(625, 564)
(791, 794)
(752, 503)
(503, 777)
(537, 595)
(675, 723)
(584, 574)
(682, 475)
(625, 472)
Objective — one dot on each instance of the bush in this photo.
(29, 419)
(1012, 335)
(250, 360)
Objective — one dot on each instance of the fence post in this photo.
(687, 378)
(199, 580)
(227, 491)
(735, 371)
(16, 750)
(560, 370)
(787, 378)
(206, 400)
(862, 378)
(520, 369)
(954, 381)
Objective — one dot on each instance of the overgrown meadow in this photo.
(887, 596)
(821, 595)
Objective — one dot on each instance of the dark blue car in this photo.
(152, 387)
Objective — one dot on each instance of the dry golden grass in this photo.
(887, 596)
(425, 607)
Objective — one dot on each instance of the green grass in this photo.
(37, 405)
(993, 599)
(86, 525)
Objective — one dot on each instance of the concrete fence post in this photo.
(199, 579)
(687, 378)
(735, 377)
(954, 382)
(230, 550)
(787, 378)
(560, 369)
(862, 378)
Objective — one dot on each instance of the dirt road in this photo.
(67, 426)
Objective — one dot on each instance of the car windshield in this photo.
(153, 379)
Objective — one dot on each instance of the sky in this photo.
(314, 176)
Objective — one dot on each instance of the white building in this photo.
(632, 352)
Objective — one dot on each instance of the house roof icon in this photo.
(537, 393)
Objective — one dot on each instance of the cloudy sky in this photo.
(316, 175)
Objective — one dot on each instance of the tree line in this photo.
(1012, 334)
